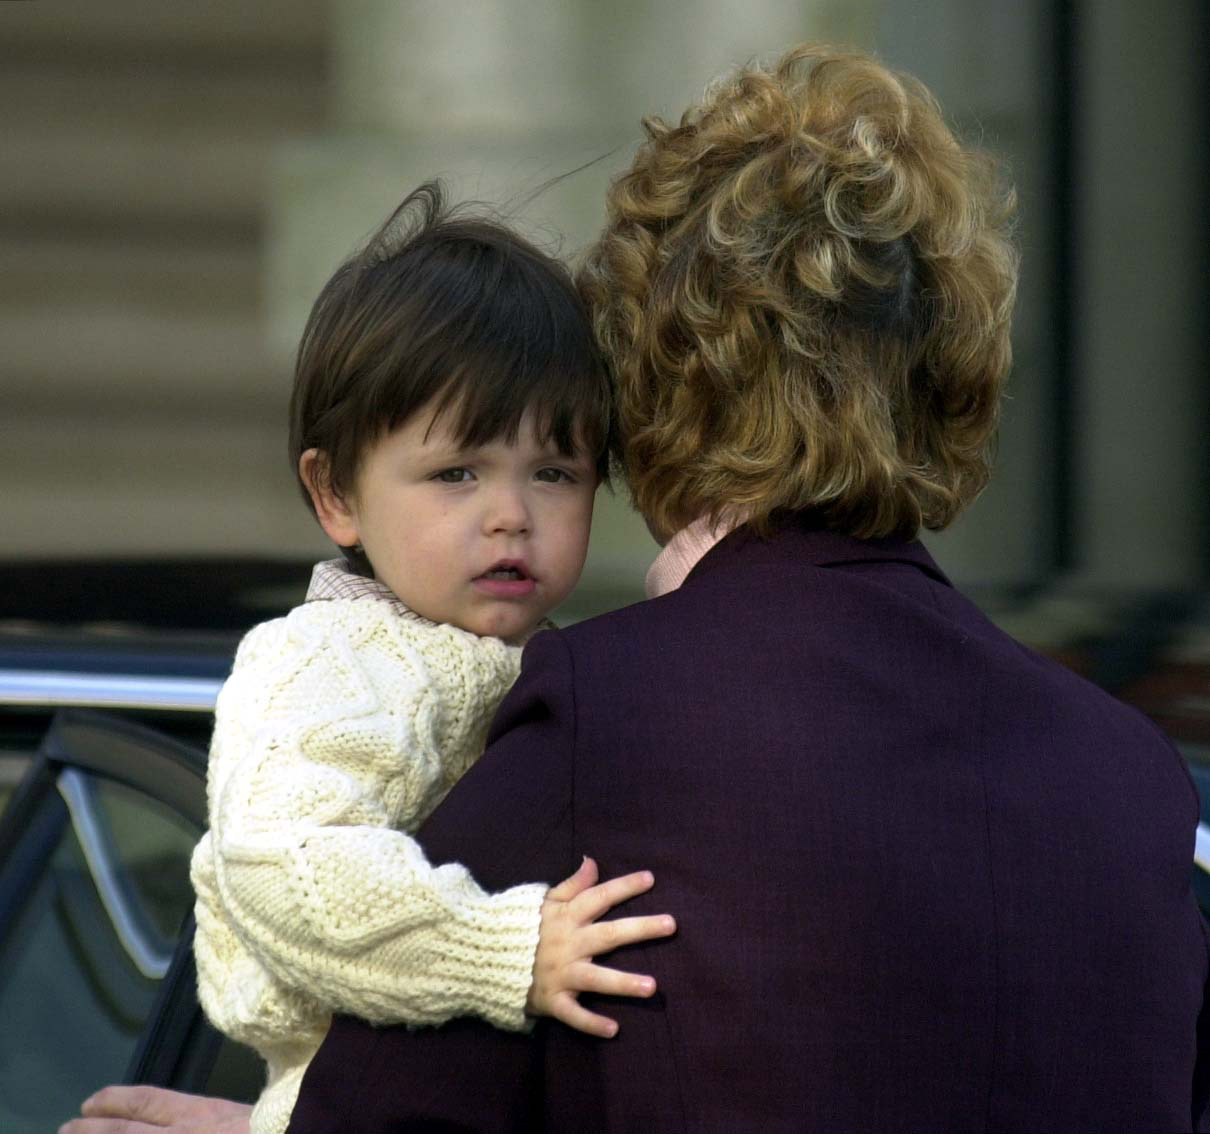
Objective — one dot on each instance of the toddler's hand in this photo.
(570, 936)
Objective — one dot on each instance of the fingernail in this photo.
(648, 984)
(669, 925)
(613, 1028)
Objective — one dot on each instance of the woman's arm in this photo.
(152, 1110)
(303, 861)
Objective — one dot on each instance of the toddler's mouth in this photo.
(506, 570)
(508, 579)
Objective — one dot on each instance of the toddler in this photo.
(450, 425)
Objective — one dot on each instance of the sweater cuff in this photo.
(489, 964)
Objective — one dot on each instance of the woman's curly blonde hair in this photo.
(804, 293)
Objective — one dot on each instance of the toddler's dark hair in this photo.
(451, 309)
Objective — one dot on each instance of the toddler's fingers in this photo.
(605, 936)
(572, 1013)
(611, 982)
(596, 900)
(585, 876)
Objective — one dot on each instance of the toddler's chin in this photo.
(518, 635)
(512, 628)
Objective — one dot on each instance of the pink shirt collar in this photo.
(682, 553)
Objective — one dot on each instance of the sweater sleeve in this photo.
(306, 863)
(466, 1076)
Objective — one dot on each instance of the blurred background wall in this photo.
(178, 179)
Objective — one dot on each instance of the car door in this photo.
(96, 977)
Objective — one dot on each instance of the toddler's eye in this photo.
(553, 476)
(453, 476)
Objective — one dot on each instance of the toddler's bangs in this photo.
(449, 312)
(523, 358)
(483, 330)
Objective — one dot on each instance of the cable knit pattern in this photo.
(341, 727)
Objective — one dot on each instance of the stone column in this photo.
(1142, 452)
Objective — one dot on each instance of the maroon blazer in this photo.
(925, 879)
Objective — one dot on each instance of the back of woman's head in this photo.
(804, 293)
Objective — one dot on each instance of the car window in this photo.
(154, 845)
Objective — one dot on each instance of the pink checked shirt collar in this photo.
(332, 579)
(682, 552)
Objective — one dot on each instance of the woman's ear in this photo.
(335, 513)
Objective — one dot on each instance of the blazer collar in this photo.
(801, 539)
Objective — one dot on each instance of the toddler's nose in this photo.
(508, 513)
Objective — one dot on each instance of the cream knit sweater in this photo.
(341, 727)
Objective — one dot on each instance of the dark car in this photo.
(105, 718)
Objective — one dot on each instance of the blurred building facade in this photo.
(179, 180)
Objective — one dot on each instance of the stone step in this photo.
(95, 354)
(70, 266)
(198, 181)
(99, 484)
(243, 99)
(265, 29)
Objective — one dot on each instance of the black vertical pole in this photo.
(1059, 484)
(1200, 18)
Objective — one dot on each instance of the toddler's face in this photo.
(489, 539)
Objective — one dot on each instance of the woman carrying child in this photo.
(925, 879)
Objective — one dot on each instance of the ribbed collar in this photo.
(682, 553)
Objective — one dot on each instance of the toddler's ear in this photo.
(335, 513)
